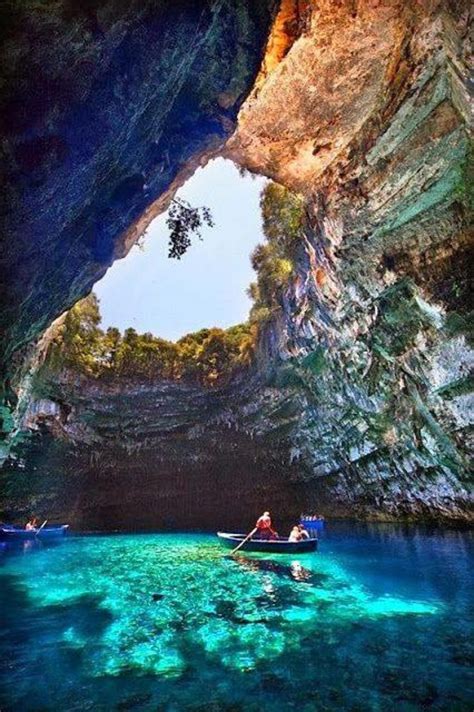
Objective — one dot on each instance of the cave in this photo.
(358, 401)
(273, 512)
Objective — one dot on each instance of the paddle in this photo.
(41, 527)
(249, 536)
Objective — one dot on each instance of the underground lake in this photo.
(380, 618)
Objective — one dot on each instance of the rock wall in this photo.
(379, 378)
(115, 455)
(374, 336)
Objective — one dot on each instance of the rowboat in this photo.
(9, 533)
(280, 545)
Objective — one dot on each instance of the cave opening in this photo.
(208, 287)
(140, 385)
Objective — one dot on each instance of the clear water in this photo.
(381, 618)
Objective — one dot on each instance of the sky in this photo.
(207, 287)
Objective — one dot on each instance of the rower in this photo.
(32, 524)
(264, 527)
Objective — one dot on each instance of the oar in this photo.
(249, 536)
(41, 527)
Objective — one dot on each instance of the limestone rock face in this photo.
(376, 133)
(379, 384)
(359, 73)
(140, 455)
(360, 402)
(335, 77)
(104, 106)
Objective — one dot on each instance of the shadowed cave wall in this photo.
(147, 455)
(360, 400)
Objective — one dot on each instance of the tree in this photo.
(274, 271)
(183, 221)
(282, 217)
(214, 357)
(112, 342)
(188, 353)
(78, 343)
(273, 261)
(209, 356)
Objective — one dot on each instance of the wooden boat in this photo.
(10, 533)
(280, 545)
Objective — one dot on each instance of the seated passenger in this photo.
(32, 524)
(304, 534)
(295, 534)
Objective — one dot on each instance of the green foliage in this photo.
(209, 357)
(282, 218)
(79, 342)
(273, 272)
(183, 221)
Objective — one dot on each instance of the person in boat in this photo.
(264, 527)
(31, 524)
(303, 533)
(295, 534)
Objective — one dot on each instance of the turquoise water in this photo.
(381, 618)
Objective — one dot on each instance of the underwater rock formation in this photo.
(360, 401)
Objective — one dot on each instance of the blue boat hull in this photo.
(47, 533)
(272, 546)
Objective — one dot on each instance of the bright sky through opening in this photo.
(207, 287)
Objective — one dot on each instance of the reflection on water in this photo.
(293, 570)
(380, 618)
(299, 572)
(12, 548)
